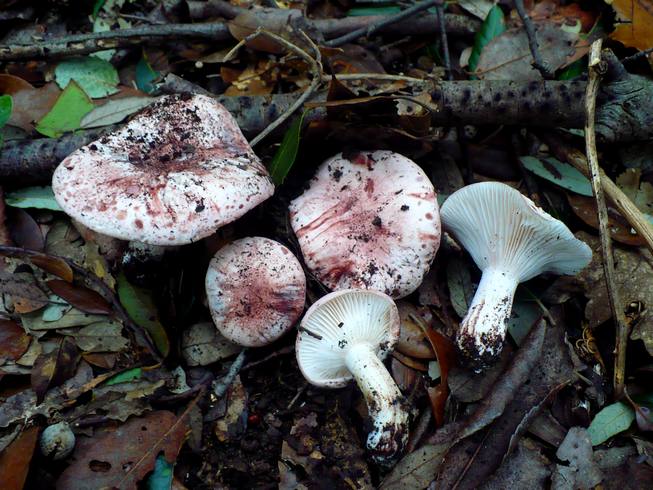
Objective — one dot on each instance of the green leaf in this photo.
(98, 78)
(139, 305)
(97, 6)
(33, 197)
(146, 76)
(6, 105)
(285, 156)
(493, 25)
(125, 377)
(611, 420)
(69, 109)
(161, 477)
(576, 69)
(561, 174)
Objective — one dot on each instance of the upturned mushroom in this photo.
(368, 220)
(511, 240)
(347, 334)
(256, 291)
(174, 174)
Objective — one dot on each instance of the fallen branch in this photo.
(544, 104)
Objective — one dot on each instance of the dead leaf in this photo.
(412, 340)
(445, 353)
(52, 369)
(25, 232)
(635, 23)
(30, 104)
(634, 278)
(508, 57)
(641, 193)
(581, 471)
(54, 265)
(417, 469)
(232, 424)
(202, 344)
(122, 457)
(13, 341)
(15, 459)
(85, 299)
(24, 291)
(526, 467)
(100, 337)
(620, 230)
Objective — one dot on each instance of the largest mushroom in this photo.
(173, 175)
(511, 240)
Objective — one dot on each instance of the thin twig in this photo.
(367, 31)
(315, 65)
(538, 63)
(220, 386)
(637, 56)
(378, 76)
(596, 70)
(285, 350)
(108, 293)
(439, 9)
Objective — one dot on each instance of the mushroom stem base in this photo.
(384, 403)
(483, 330)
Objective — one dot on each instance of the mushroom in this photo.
(174, 174)
(511, 240)
(368, 220)
(346, 334)
(256, 291)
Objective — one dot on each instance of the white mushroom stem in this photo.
(483, 329)
(384, 402)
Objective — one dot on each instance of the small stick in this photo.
(221, 386)
(285, 350)
(637, 56)
(596, 70)
(538, 63)
(368, 30)
(439, 9)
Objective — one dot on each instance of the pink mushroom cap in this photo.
(368, 221)
(256, 291)
(174, 174)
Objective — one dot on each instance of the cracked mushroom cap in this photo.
(174, 174)
(502, 228)
(339, 321)
(368, 220)
(256, 291)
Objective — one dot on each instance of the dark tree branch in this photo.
(538, 63)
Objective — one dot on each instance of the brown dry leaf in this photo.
(634, 278)
(620, 230)
(579, 469)
(54, 265)
(15, 459)
(446, 355)
(508, 57)
(25, 232)
(29, 104)
(52, 369)
(13, 341)
(122, 457)
(24, 291)
(85, 299)
(412, 340)
(635, 27)
(256, 79)
(641, 193)
(202, 344)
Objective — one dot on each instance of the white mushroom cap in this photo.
(174, 174)
(256, 291)
(511, 240)
(369, 221)
(345, 335)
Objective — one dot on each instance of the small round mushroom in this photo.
(256, 291)
(511, 240)
(57, 441)
(344, 335)
(368, 220)
(174, 174)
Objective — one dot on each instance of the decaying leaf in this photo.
(581, 471)
(52, 369)
(233, 422)
(635, 23)
(120, 458)
(30, 104)
(202, 344)
(13, 341)
(634, 278)
(526, 467)
(507, 56)
(80, 297)
(15, 459)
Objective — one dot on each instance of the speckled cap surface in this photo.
(174, 174)
(256, 290)
(368, 220)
